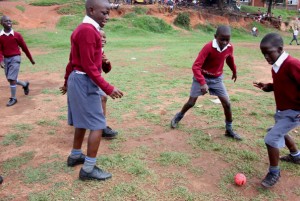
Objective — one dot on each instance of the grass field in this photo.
(148, 160)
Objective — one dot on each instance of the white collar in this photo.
(7, 34)
(89, 20)
(276, 66)
(216, 45)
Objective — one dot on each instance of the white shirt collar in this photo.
(7, 34)
(216, 45)
(276, 66)
(89, 20)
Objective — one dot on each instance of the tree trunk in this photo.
(270, 6)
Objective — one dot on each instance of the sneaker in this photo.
(289, 158)
(230, 133)
(97, 174)
(175, 120)
(270, 179)
(71, 162)
(1, 180)
(11, 102)
(26, 88)
(109, 133)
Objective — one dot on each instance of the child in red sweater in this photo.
(286, 87)
(10, 57)
(208, 76)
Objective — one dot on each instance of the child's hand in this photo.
(262, 86)
(32, 62)
(63, 90)
(204, 89)
(234, 77)
(116, 93)
(104, 59)
(2, 64)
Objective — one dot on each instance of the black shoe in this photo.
(230, 133)
(26, 88)
(109, 133)
(1, 180)
(289, 158)
(270, 180)
(71, 162)
(97, 174)
(175, 120)
(11, 102)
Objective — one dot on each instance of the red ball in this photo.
(240, 179)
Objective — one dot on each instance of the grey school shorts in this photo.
(12, 67)
(102, 93)
(285, 121)
(84, 103)
(216, 87)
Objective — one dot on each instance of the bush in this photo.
(152, 24)
(140, 10)
(183, 20)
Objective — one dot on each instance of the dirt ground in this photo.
(39, 106)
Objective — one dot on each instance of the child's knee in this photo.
(191, 103)
(104, 99)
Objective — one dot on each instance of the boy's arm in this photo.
(198, 65)
(106, 65)
(24, 48)
(1, 56)
(267, 87)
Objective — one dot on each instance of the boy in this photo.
(82, 82)
(286, 87)
(10, 41)
(295, 35)
(208, 76)
(106, 67)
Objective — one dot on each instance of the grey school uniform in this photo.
(285, 121)
(216, 87)
(12, 67)
(84, 103)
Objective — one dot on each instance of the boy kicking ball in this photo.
(208, 76)
(286, 88)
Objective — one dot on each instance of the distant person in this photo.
(295, 36)
(254, 31)
(10, 58)
(208, 77)
(1, 180)
(286, 88)
(82, 82)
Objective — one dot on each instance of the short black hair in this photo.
(272, 38)
(223, 29)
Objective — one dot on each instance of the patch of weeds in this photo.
(198, 171)
(45, 171)
(247, 155)
(51, 91)
(21, 8)
(45, 122)
(23, 127)
(297, 191)
(181, 193)
(153, 118)
(59, 191)
(267, 194)
(173, 158)
(14, 138)
(183, 20)
(47, 100)
(294, 169)
(63, 109)
(75, 8)
(10, 197)
(151, 24)
(116, 144)
(203, 141)
(17, 162)
(138, 131)
(63, 117)
(128, 191)
(51, 132)
(48, 2)
(131, 163)
(140, 10)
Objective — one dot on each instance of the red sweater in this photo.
(9, 46)
(286, 85)
(86, 55)
(210, 62)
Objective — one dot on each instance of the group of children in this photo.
(86, 89)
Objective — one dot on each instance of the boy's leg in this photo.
(76, 156)
(189, 104)
(89, 169)
(25, 86)
(13, 90)
(228, 118)
(294, 156)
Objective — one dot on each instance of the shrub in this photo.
(183, 20)
(140, 10)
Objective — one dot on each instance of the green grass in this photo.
(173, 158)
(14, 138)
(51, 2)
(21, 8)
(15, 163)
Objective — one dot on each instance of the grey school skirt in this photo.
(84, 103)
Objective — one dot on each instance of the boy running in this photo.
(286, 88)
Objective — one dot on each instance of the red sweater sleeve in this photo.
(24, 47)
(231, 64)
(87, 47)
(69, 70)
(1, 52)
(199, 63)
